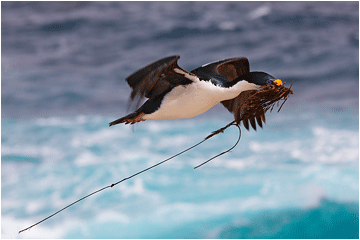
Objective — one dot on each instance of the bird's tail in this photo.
(131, 118)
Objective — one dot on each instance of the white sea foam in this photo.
(87, 158)
(34, 151)
(324, 146)
(10, 226)
(175, 141)
(108, 215)
(310, 196)
(228, 25)
(260, 12)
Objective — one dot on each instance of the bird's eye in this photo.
(268, 82)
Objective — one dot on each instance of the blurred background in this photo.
(63, 66)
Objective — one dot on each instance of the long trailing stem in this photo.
(226, 150)
(127, 178)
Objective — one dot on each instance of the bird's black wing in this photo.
(229, 68)
(158, 77)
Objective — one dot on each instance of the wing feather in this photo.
(229, 68)
(251, 105)
(252, 122)
(258, 120)
(158, 78)
(238, 105)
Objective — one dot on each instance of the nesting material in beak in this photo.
(262, 100)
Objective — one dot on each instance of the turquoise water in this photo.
(308, 177)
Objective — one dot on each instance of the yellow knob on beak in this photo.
(278, 82)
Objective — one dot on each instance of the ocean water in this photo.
(63, 67)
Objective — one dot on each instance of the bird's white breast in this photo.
(188, 101)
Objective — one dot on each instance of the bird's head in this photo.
(261, 79)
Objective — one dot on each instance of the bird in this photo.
(174, 93)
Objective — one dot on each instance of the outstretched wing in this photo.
(239, 107)
(158, 77)
(229, 68)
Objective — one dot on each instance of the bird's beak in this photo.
(278, 82)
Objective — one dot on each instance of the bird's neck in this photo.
(241, 83)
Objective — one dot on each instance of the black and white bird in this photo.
(175, 93)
